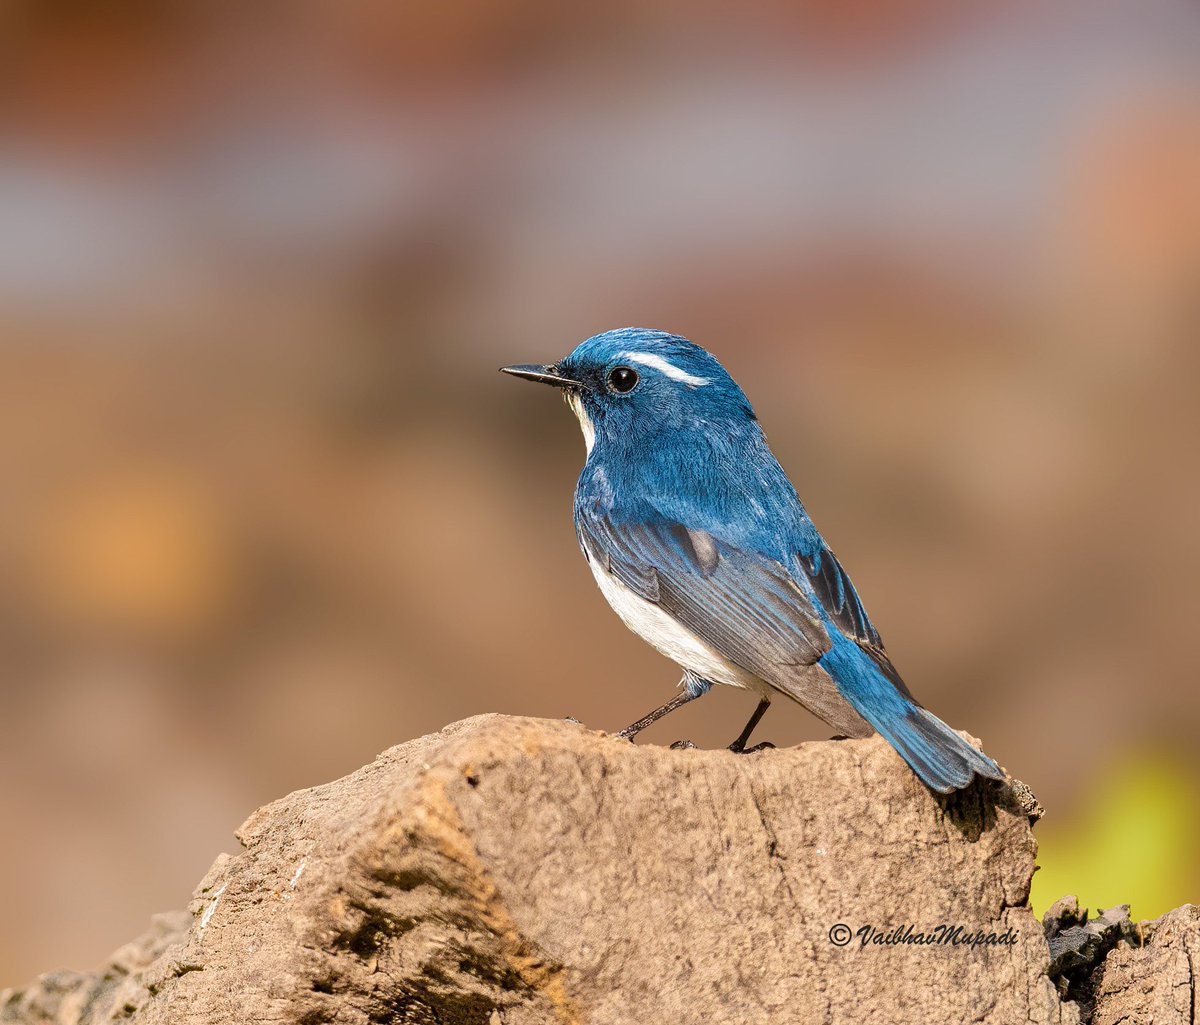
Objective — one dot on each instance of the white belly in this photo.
(659, 630)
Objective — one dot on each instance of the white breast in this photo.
(659, 630)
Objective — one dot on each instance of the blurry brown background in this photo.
(268, 508)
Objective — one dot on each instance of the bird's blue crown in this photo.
(641, 381)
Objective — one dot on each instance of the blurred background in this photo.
(267, 507)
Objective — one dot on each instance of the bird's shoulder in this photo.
(648, 540)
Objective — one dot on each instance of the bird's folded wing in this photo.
(744, 605)
(836, 593)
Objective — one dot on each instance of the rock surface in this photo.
(1151, 979)
(516, 871)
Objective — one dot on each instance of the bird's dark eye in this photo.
(623, 379)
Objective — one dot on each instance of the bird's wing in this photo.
(836, 594)
(747, 607)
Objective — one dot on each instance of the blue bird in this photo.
(700, 544)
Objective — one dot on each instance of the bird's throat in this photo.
(585, 422)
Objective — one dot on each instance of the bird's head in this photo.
(633, 383)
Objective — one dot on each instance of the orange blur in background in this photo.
(267, 507)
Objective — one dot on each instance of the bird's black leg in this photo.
(680, 699)
(739, 745)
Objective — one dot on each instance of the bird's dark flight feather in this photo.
(836, 593)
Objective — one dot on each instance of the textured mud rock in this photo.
(522, 871)
(1150, 978)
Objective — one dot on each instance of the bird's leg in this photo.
(680, 699)
(739, 745)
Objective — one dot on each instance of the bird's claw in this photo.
(683, 745)
(572, 720)
(742, 750)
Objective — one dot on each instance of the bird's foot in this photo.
(683, 745)
(572, 720)
(741, 749)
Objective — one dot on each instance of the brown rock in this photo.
(520, 871)
(1153, 981)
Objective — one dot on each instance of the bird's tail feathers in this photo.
(942, 759)
(936, 753)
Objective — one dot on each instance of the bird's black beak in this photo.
(546, 375)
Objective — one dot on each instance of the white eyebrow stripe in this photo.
(673, 372)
